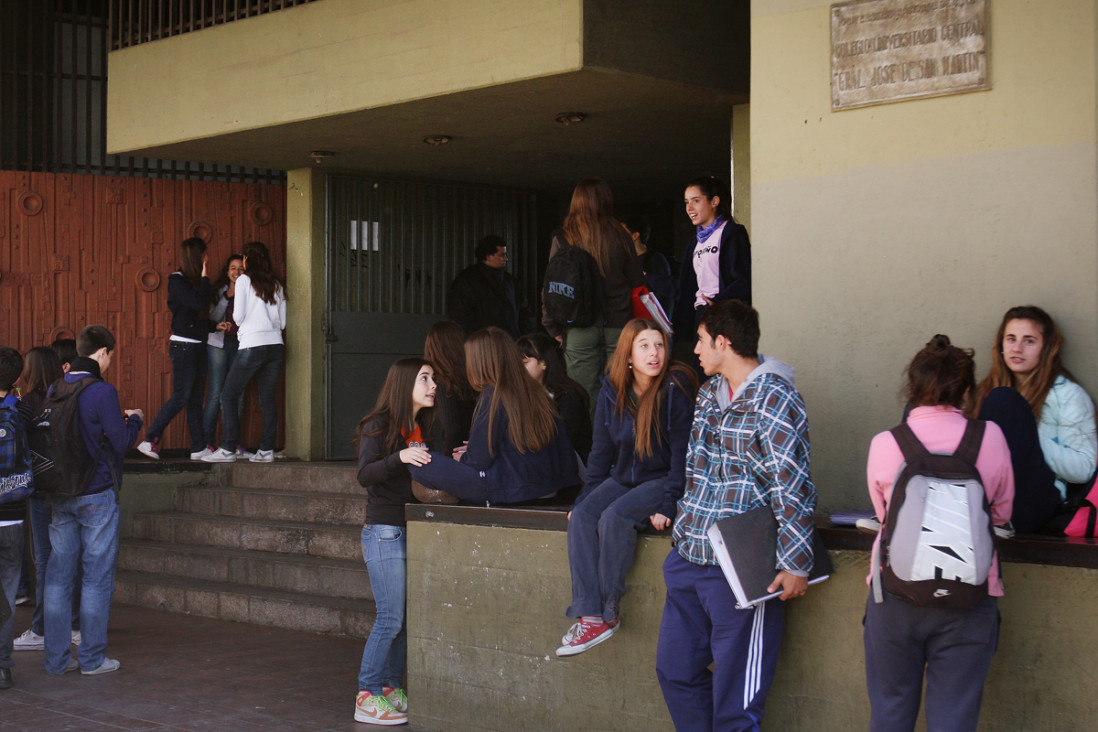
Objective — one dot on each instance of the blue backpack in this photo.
(16, 477)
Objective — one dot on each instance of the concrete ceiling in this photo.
(645, 135)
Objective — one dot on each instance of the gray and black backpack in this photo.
(937, 542)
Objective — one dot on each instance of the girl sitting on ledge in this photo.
(518, 450)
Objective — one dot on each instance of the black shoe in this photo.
(5, 678)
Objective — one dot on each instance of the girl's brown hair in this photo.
(394, 412)
(257, 266)
(493, 360)
(940, 375)
(191, 254)
(41, 367)
(1035, 385)
(649, 434)
(445, 349)
(590, 223)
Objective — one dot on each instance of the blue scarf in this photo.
(706, 232)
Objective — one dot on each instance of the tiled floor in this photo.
(181, 672)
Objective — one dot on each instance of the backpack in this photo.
(1082, 521)
(62, 465)
(938, 537)
(572, 291)
(16, 477)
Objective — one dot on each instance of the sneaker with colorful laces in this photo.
(396, 697)
(376, 709)
(586, 634)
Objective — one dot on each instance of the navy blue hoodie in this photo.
(613, 453)
(101, 414)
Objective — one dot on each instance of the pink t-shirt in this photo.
(940, 430)
(707, 266)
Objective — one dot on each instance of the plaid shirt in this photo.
(751, 453)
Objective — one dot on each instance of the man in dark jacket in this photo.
(84, 528)
(486, 294)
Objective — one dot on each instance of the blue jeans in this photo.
(386, 653)
(188, 385)
(40, 514)
(84, 532)
(219, 361)
(11, 566)
(602, 543)
(264, 363)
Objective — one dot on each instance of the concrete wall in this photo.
(330, 57)
(875, 228)
(485, 613)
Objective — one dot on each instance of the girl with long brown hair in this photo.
(259, 311)
(456, 399)
(188, 299)
(1048, 419)
(518, 449)
(635, 473)
(591, 226)
(391, 439)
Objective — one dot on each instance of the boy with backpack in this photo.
(85, 524)
(15, 485)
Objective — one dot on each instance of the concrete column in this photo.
(741, 164)
(305, 367)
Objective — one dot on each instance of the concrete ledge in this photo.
(486, 608)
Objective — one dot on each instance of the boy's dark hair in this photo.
(488, 246)
(65, 348)
(11, 365)
(638, 224)
(92, 338)
(738, 322)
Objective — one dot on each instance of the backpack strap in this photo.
(908, 442)
(969, 449)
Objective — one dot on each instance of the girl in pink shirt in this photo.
(954, 646)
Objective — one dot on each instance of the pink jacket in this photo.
(940, 430)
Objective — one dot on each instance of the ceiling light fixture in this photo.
(319, 156)
(570, 118)
(437, 140)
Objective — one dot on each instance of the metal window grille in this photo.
(53, 97)
(140, 21)
(395, 246)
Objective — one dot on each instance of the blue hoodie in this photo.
(613, 453)
(101, 414)
(513, 476)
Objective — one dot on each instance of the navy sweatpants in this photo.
(701, 625)
(952, 648)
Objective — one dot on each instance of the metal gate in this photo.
(393, 247)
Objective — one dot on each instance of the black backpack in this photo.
(572, 292)
(16, 480)
(62, 465)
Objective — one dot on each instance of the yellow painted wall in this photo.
(330, 57)
(305, 367)
(875, 228)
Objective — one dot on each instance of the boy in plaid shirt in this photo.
(748, 448)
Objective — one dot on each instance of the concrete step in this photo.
(234, 532)
(284, 572)
(319, 477)
(231, 601)
(277, 504)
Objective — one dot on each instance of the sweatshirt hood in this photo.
(767, 365)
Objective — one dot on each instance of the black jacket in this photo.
(481, 296)
(735, 278)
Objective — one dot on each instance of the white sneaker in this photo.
(220, 455)
(244, 454)
(108, 665)
(76, 637)
(201, 453)
(263, 456)
(148, 449)
(29, 641)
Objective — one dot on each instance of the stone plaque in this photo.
(889, 50)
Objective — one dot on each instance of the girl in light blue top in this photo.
(1048, 419)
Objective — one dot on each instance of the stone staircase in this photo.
(276, 544)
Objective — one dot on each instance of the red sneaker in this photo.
(584, 635)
